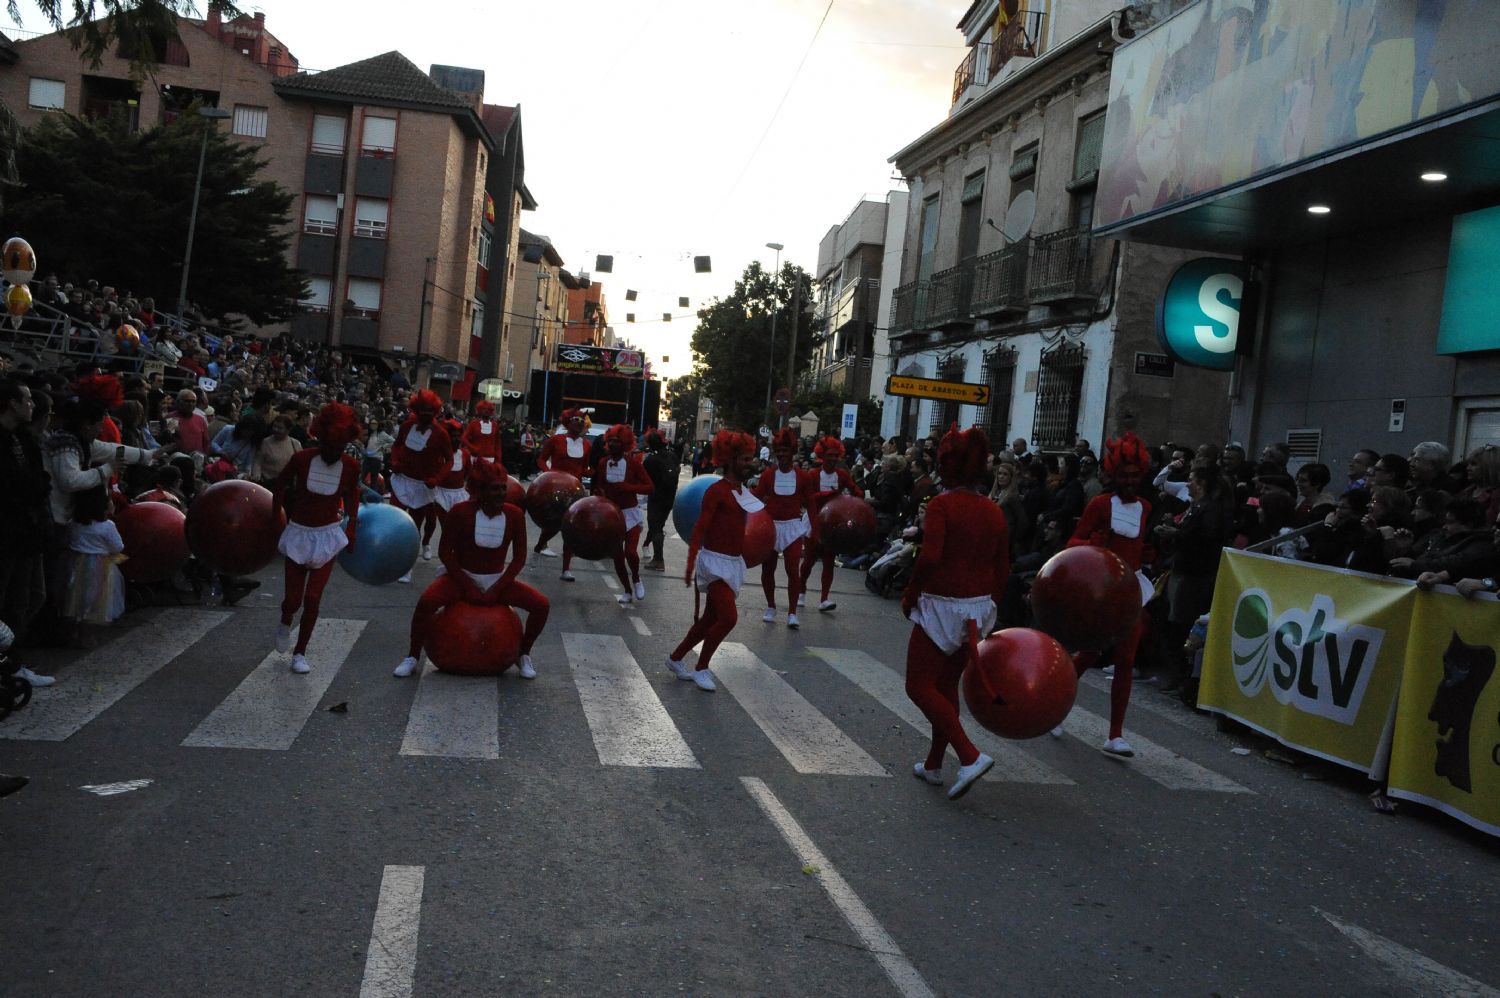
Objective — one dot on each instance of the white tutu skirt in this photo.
(943, 618)
(411, 493)
(789, 532)
(634, 517)
(715, 567)
(313, 547)
(448, 498)
(96, 588)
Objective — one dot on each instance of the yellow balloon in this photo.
(18, 300)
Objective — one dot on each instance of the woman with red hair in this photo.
(419, 459)
(621, 478)
(788, 494)
(566, 452)
(715, 563)
(832, 479)
(956, 585)
(482, 436)
(318, 486)
(1116, 520)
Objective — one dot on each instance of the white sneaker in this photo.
(679, 670)
(792, 622)
(284, 638)
(640, 592)
(405, 579)
(969, 775)
(1108, 670)
(34, 679)
(625, 599)
(770, 615)
(1057, 732)
(547, 553)
(426, 552)
(300, 666)
(568, 577)
(801, 600)
(933, 776)
(407, 667)
(826, 606)
(704, 680)
(1119, 747)
(528, 671)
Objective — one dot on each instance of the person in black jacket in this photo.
(1196, 541)
(1462, 547)
(663, 465)
(24, 517)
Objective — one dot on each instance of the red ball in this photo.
(232, 528)
(155, 541)
(549, 496)
(515, 493)
(846, 525)
(760, 539)
(1022, 683)
(1086, 597)
(472, 640)
(593, 528)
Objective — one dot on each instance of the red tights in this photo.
(932, 684)
(304, 588)
(792, 557)
(425, 517)
(815, 553)
(1123, 656)
(445, 591)
(629, 555)
(719, 618)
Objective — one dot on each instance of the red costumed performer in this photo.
(452, 489)
(318, 486)
(568, 452)
(479, 536)
(621, 478)
(788, 494)
(419, 459)
(714, 564)
(828, 481)
(956, 585)
(482, 436)
(1117, 521)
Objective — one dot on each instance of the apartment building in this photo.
(538, 316)
(588, 315)
(858, 267)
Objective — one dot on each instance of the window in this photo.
(364, 298)
(380, 137)
(319, 293)
(47, 95)
(945, 414)
(484, 248)
(476, 324)
(249, 121)
(972, 208)
(1086, 149)
(1000, 375)
(328, 134)
(321, 217)
(1059, 393)
(927, 242)
(371, 217)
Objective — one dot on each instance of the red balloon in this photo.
(760, 539)
(549, 496)
(155, 541)
(1086, 597)
(472, 640)
(515, 494)
(232, 528)
(1022, 683)
(846, 525)
(593, 528)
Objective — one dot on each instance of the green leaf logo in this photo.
(1250, 645)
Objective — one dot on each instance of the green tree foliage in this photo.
(732, 350)
(682, 396)
(98, 201)
(142, 27)
(828, 405)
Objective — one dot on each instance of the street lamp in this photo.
(209, 116)
(771, 361)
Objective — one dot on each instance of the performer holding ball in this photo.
(482, 436)
(567, 452)
(622, 479)
(831, 480)
(788, 494)
(419, 459)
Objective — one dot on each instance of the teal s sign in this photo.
(1198, 318)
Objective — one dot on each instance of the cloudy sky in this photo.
(652, 127)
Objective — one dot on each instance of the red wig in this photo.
(961, 456)
(623, 433)
(568, 415)
(425, 401)
(485, 409)
(455, 429)
(828, 447)
(654, 439)
(482, 473)
(335, 424)
(729, 445)
(785, 439)
(1126, 452)
(103, 390)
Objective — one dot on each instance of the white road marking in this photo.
(456, 717)
(811, 742)
(110, 789)
(609, 580)
(1012, 763)
(640, 627)
(105, 675)
(1175, 713)
(1422, 975)
(269, 709)
(391, 959)
(1151, 760)
(879, 942)
(626, 718)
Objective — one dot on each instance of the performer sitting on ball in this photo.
(715, 565)
(482, 435)
(567, 452)
(788, 494)
(479, 536)
(832, 479)
(1117, 521)
(419, 459)
(621, 478)
(957, 583)
(318, 486)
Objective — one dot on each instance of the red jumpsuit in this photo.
(563, 452)
(321, 494)
(789, 497)
(419, 460)
(826, 485)
(482, 438)
(623, 481)
(718, 542)
(452, 487)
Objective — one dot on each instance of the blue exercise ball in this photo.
(386, 545)
(688, 504)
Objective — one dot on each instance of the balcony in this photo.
(1020, 38)
(1000, 282)
(904, 308)
(1061, 267)
(847, 375)
(948, 300)
(857, 301)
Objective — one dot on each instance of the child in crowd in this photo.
(96, 589)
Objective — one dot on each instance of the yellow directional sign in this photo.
(930, 388)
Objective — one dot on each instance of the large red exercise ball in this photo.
(593, 528)
(386, 545)
(17, 261)
(1021, 684)
(232, 528)
(549, 495)
(760, 539)
(846, 525)
(155, 541)
(515, 493)
(688, 504)
(473, 640)
(1086, 597)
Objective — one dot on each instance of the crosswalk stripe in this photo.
(1151, 760)
(609, 580)
(626, 718)
(1012, 763)
(1166, 711)
(269, 709)
(811, 742)
(457, 717)
(105, 675)
(391, 957)
(640, 627)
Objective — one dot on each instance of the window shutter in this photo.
(328, 134)
(250, 121)
(321, 216)
(48, 95)
(318, 293)
(1087, 149)
(380, 135)
(371, 217)
(364, 293)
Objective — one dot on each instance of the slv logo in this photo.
(1198, 318)
(1313, 661)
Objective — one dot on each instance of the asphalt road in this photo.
(606, 829)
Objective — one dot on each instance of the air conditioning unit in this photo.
(1305, 447)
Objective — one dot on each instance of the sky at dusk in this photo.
(645, 121)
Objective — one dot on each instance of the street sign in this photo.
(930, 388)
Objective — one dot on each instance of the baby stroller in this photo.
(891, 572)
(15, 691)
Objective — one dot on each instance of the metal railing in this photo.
(848, 306)
(1021, 37)
(904, 308)
(1000, 280)
(1060, 266)
(952, 290)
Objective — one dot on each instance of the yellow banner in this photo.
(1311, 656)
(1447, 746)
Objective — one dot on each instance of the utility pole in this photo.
(791, 360)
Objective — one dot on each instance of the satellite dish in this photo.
(1021, 214)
